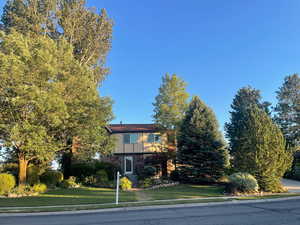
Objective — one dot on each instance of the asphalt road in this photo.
(270, 213)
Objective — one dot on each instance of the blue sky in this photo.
(216, 46)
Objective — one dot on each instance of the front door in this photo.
(128, 164)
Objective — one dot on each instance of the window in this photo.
(130, 138)
(128, 161)
(154, 138)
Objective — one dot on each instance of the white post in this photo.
(117, 191)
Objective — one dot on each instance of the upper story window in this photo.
(130, 138)
(153, 138)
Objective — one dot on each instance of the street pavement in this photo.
(285, 212)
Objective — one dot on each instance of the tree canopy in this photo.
(89, 32)
(170, 103)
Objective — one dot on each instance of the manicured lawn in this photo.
(184, 191)
(74, 196)
(85, 195)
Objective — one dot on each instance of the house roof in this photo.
(132, 128)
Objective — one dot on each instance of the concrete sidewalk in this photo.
(293, 186)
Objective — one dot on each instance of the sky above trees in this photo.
(216, 46)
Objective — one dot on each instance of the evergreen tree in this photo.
(262, 150)
(201, 148)
(246, 98)
(288, 110)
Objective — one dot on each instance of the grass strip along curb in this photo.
(139, 204)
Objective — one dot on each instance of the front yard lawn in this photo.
(183, 191)
(73, 196)
(86, 195)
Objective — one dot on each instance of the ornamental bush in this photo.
(69, 183)
(110, 168)
(125, 184)
(39, 188)
(7, 182)
(148, 171)
(52, 178)
(243, 183)
(102, 177)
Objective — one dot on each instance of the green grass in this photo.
(97, 196)
(121, 205)
(184, 191)
(75, 196)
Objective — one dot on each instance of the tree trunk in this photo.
(67, 158)
(22, 169)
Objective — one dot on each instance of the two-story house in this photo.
(134, 142)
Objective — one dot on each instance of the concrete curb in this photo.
(137, 208)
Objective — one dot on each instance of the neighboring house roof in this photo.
(132, 128)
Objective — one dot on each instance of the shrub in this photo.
(7, 182)
(148, 171)
(110, 168)
(125, 184)
(174, 175)
(90, 181)
(242, 182)
(148, 182)
(11, 168)
(39, 188)
(20, 191)
(69, 183)
(51, 178)
(101, 177)
(82, 170)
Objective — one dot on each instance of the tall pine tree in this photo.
(261, 151)
(246, 98)
(201, 148)
(288, 110)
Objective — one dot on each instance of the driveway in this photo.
(293, 186)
